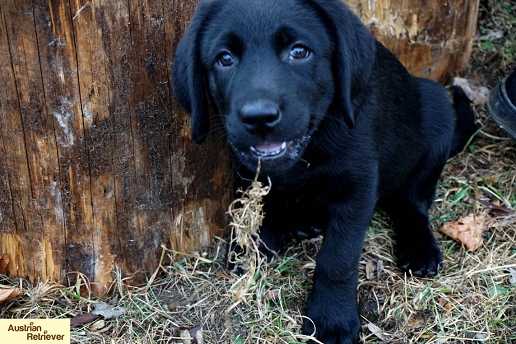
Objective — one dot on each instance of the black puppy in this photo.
(339, 124)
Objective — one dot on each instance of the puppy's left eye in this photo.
(299, 52)
(225, 60)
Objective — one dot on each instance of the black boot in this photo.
(510, 87)
(501, 105)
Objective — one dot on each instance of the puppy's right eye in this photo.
(225, 60)
(299, 52)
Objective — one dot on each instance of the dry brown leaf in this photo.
(9, 293)
(83, 319)
(4, 261)
(417, 321)
(445, 303)
(442, 302)
(505, 221)
(467, 230)
(495, 209)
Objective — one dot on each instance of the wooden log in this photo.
(433, 39)
(97, 168)
(97, 165)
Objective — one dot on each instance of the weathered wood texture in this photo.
(97, 168)
(433, 39)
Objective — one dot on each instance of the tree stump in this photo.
(433, 39)
(97, 168)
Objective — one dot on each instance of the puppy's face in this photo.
(268, 71)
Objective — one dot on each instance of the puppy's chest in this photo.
(321, 189)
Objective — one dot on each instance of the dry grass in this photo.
(472, 300)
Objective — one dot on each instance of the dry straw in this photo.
(247, 216)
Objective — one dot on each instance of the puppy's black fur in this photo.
(340, 127)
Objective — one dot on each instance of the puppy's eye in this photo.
(299, 52)
(225, 60)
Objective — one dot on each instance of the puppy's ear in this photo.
(354, 55)
(188, 76)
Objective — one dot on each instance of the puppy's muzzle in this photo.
(260, 117)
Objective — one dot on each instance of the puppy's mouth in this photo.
(275, 156)
(270, 150)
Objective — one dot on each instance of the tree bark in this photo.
(433, 39)
(97, 168)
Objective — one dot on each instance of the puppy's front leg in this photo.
(332, 306)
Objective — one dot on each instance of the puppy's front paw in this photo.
(421, 259)
(304, 233)
(333, 328)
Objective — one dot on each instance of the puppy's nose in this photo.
(260, 115)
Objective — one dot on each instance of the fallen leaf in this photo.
(107, 311)
(376, 331)
(491, 34)
(82, 319)
(416, 322)
(512, 279)
(9, 293)
(505, 221)
(467, 231)
(445, 303)
(442, 302)
(193, 335)
(475, 92)
(197, 334)
(97, 325)
(4, 261)
(495, 209)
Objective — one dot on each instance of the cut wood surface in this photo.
(433, 39)
(97, 168)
